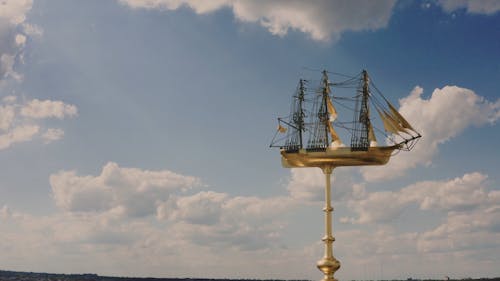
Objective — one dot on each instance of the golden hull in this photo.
(337, 157)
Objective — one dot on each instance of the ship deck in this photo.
(336, 157)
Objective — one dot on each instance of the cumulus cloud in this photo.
(18, 134)
(7, 67)
(108, 245)
(19, 121)
(133, 191)
(224, 221)
(5, 212)
(161, 221)
(38, 109)
(468, 252)
(466, 193)
(7, 114)
(13, 35)
(464, 231)
(206, 218)
(201, 208)
(487, 7)
(52, 134)
(309, 185)
(322, 20)
(467, 230)
(14, 11)
(446, 114)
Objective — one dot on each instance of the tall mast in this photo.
(365, 111)
(323, 114)
(361, 135)
(300, 118)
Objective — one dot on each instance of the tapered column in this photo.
(328, 264)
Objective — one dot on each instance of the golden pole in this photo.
(328, 264)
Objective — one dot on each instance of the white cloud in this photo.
(32, 30)
(464, 231)
(20, 39)
(322, 20)
(446, 114)
(9, 99)
(207, 218)
(18, 134)
(200, 208)
(221, 221)
(308, 184)
(487, 7)
(464, 241)
(7, 114)
(14, 11)
(205, 234)
(7, 67)
(470, 252)
(52, 134)
(48, 109)
(12, 35)
(232, 231)
(5, 212)
(137, 192)
(465, 193)
(190, 234)
(101, 243)
(19, 122)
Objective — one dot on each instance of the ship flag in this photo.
(281, 129)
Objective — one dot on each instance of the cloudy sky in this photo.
(134, 138)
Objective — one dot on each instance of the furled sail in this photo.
(333, 134)
(331, 110)
(371, 136)
(332, 113)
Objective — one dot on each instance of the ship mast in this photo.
(299, 119)
(363, 132)
(323, 113)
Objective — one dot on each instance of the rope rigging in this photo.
(318, 105)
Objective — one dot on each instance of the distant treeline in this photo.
(36, 276)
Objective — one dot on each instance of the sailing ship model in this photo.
(317, 144)
(324, 147)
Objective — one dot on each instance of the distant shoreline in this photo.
(38, 276)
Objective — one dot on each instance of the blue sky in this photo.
(134, 138)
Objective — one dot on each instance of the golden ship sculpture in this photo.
(308, 136)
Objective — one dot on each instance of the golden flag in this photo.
(281, 129)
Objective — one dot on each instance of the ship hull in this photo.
(337, 157)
